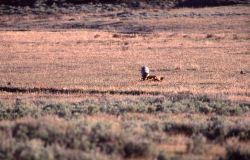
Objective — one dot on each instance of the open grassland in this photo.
(195, 58)
(70, 84)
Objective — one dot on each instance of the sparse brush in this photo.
(137, 149)
(127, 136)
(119, 107)
(197, 145)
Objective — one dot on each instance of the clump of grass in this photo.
(19, 109)
(43, 140)
(163, 156)
(62, 110)
(7, 145)
(33, 149)
(214, 129)
(197, 144)
(136, 149)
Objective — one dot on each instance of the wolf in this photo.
(146, 76)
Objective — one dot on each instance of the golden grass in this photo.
(75, 59)
(202, 55)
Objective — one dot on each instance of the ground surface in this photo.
(82, 63)
(202, 51)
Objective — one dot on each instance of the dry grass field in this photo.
(197, 55)
(70, 84)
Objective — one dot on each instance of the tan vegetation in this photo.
(75, 59)
(70, 84)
